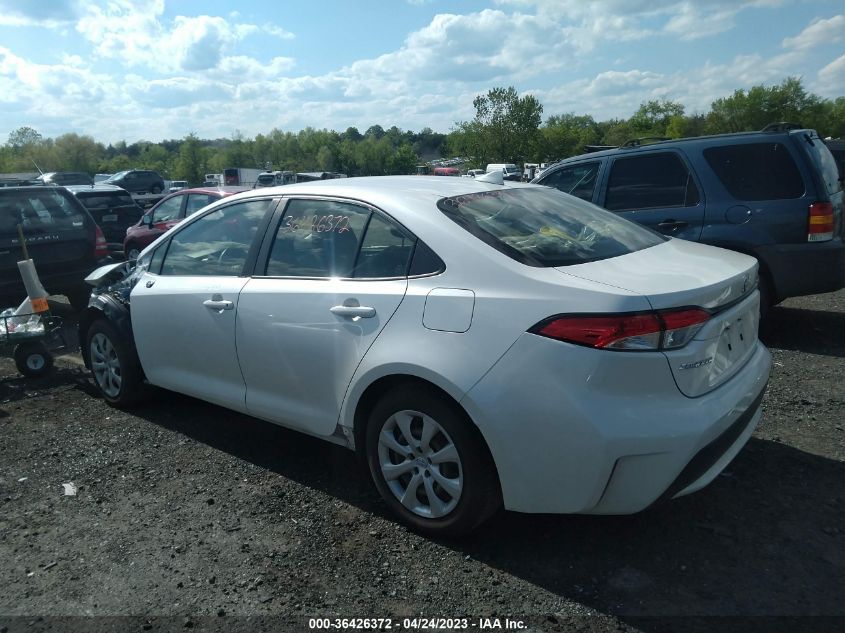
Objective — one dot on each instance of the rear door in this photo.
(657, 189)
(183, 316)
(333, 276)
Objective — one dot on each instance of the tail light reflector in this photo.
(663, 330)
(820, 222)
(101, 247)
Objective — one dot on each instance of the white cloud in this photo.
(832, 77)
(818, 33)
(135, 33)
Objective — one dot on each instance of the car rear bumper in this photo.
(805, 269)
(600, 432)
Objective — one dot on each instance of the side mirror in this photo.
(147, 219)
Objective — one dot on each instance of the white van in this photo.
(509, 170)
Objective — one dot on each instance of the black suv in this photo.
(61, 237)
(137, 181)
(112, 208)
(773, 194)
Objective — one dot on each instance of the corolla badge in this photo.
(697, 364)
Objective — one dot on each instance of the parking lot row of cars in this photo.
(479, 343)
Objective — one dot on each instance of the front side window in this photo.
(317, 238)
(217, 243)
(540, 226)
(168, 209)
(576, 180)
(650, 181)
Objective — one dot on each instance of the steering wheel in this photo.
(229, 251)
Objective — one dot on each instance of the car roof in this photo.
(633, 146)
(388, 191)
(99, 187)
(223, 191)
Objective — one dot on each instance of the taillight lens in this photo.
(101, 247)
(651, 331)
(820, 222)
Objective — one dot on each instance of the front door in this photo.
(183, 318)
(334, 277)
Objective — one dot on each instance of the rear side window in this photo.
(576, 180)
(39, 211)
(197, 201)
(756, 171)
(650, 181)
(325, 238)
(317, 238)
(542, 227)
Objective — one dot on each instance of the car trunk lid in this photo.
(678, 274)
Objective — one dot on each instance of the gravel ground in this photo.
(191, 516)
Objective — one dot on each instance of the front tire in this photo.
(33, 359)
(114, 365)
(429, 463)
(132, 252)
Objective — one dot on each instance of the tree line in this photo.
(505, 128)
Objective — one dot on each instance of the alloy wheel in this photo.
(420, 464)
(105, 365)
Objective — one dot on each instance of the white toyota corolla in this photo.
(479, 344)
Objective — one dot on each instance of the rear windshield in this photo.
(823, 161)
(544, 227)
(105, 199)
(39, 211)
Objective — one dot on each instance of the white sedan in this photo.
(479, 344)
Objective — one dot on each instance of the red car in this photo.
(168, 213)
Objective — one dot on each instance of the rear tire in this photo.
(429, 463)
(33, 359)
(114, 365)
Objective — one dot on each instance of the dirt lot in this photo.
(190, 516)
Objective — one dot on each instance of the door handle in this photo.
(672, 225)
(218, 304)
(364, 312)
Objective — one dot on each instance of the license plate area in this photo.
(112, 217)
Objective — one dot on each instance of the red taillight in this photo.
(668, 329)
(605, 331)
(820, 222)
(101, 248)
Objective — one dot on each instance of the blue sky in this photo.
(156, 69)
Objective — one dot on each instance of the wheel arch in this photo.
(370, 395)
(104, 307)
